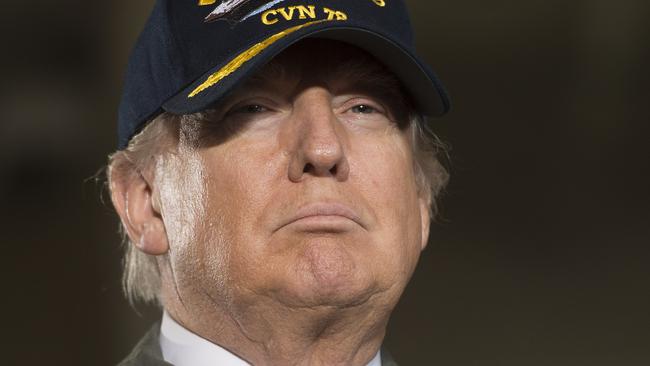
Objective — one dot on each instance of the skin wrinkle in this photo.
(166, 268)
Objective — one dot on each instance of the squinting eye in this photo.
(252, 108)
(363, 109)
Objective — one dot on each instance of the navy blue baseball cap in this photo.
(191, 53)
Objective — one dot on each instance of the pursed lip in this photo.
(324, 210)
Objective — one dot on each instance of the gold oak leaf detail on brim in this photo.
(246, 56)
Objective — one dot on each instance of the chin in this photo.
(326, 273)
(312, 295)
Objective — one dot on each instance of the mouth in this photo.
(324, 217)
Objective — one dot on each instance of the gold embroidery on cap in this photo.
(307, 11)
(335, 14)
(265, 17)
(271, 17)
(246, 56)
(206, 2)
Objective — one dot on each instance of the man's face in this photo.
(299, 190)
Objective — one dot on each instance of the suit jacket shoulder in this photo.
(148, 353)
(387, 358)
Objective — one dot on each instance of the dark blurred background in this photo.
(542, 257)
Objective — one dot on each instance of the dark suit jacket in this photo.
(148, 353)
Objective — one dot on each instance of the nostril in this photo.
(311, 169)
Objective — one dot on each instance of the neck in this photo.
(268, 333)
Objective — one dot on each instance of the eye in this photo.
(251, 109)
(248, 110)
(254, 114)
(363, 109)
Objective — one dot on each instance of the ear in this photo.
(426, 221)
(140, 215)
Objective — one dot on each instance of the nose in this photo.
(319, 139)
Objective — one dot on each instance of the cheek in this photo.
(239, 181)
(208, 200)
(386, 178)
(239, 186)
(197, 252)
(385, 172)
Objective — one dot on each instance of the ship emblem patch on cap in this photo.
(235, 11)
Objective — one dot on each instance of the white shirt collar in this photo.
(180, 347)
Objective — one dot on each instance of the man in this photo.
(275, 179)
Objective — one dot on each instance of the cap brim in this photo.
(427, 91)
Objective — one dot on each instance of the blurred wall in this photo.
(541, 257)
